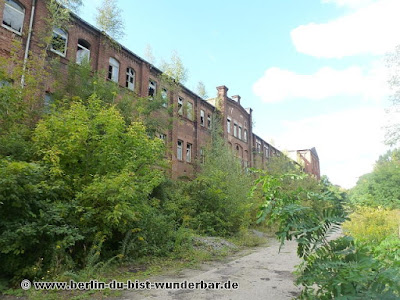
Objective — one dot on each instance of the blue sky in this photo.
(312, 70)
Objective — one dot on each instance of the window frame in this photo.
(180, 105)
(164, 96)
(113, 63)
(189, 148)
(240, 133)
(16, 10)
(130, 76)
(153, 86)
(202, 116)
(235, 130)
(245, 135)
(228, 125)
(189, 110)
(209, 121)
(84, 49)
(179, 150)
(60, 35)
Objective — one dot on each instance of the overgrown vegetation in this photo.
(83, 183)
(345, 267)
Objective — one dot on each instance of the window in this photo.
(13, 16)
(228, 125)
(83, 52)
(179, 150)
(258, 146)
(130, 79)
(240, 132)
(152, 88)
(235, 130)
(188, 152)
(202, 156)
(113, 69)
(202, 117)
(266, 150)
(189, 111)
(59, 41)
(164, 96)
(209, 121)
(162, 136)
(48, 101)
(180, 105)
(245, 135)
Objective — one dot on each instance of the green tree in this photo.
(220, 202)
(381, 186)
(109, 19)
(201, 90)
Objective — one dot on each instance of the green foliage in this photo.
(373, 225)
(109, 19)
(220, 193)
(381, 187)
(342, 270)
(337, 269)
(33, 222)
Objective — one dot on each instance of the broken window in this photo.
(189, 111)
(13, 16)
(228, 125)
(180, 105)
(202, 117)
(179, 150)
(83, 52)
(164, 96)
(258, 146)
(59, 41)
(130, 79)
(188, 152)
(240, 132)
(152, 88)
(235, 130)
(266, 150)
(209, 121)
(113, 69)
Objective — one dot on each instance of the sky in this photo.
(313, 71)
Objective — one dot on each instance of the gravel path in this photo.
(262, 274)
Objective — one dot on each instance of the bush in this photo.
(373, 225)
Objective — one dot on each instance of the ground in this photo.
(262, 273)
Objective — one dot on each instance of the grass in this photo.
(141, 269)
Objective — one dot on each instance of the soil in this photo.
(262, 273)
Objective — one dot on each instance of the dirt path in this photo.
(262, 274)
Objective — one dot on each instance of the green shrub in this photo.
(373, 225)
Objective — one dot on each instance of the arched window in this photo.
(83, 52)
(113, 69)
(130, 79)
(13, 16)
(59, 42)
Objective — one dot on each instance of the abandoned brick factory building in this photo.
(190, 131)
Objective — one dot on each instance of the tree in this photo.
(381, 186)
(175, 68)
(109, 19)
(201, 90)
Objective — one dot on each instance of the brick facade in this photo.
(189, 131)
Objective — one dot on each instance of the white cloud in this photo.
(278, 84)
(347, 142)
(371, 29)
(350, 3)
